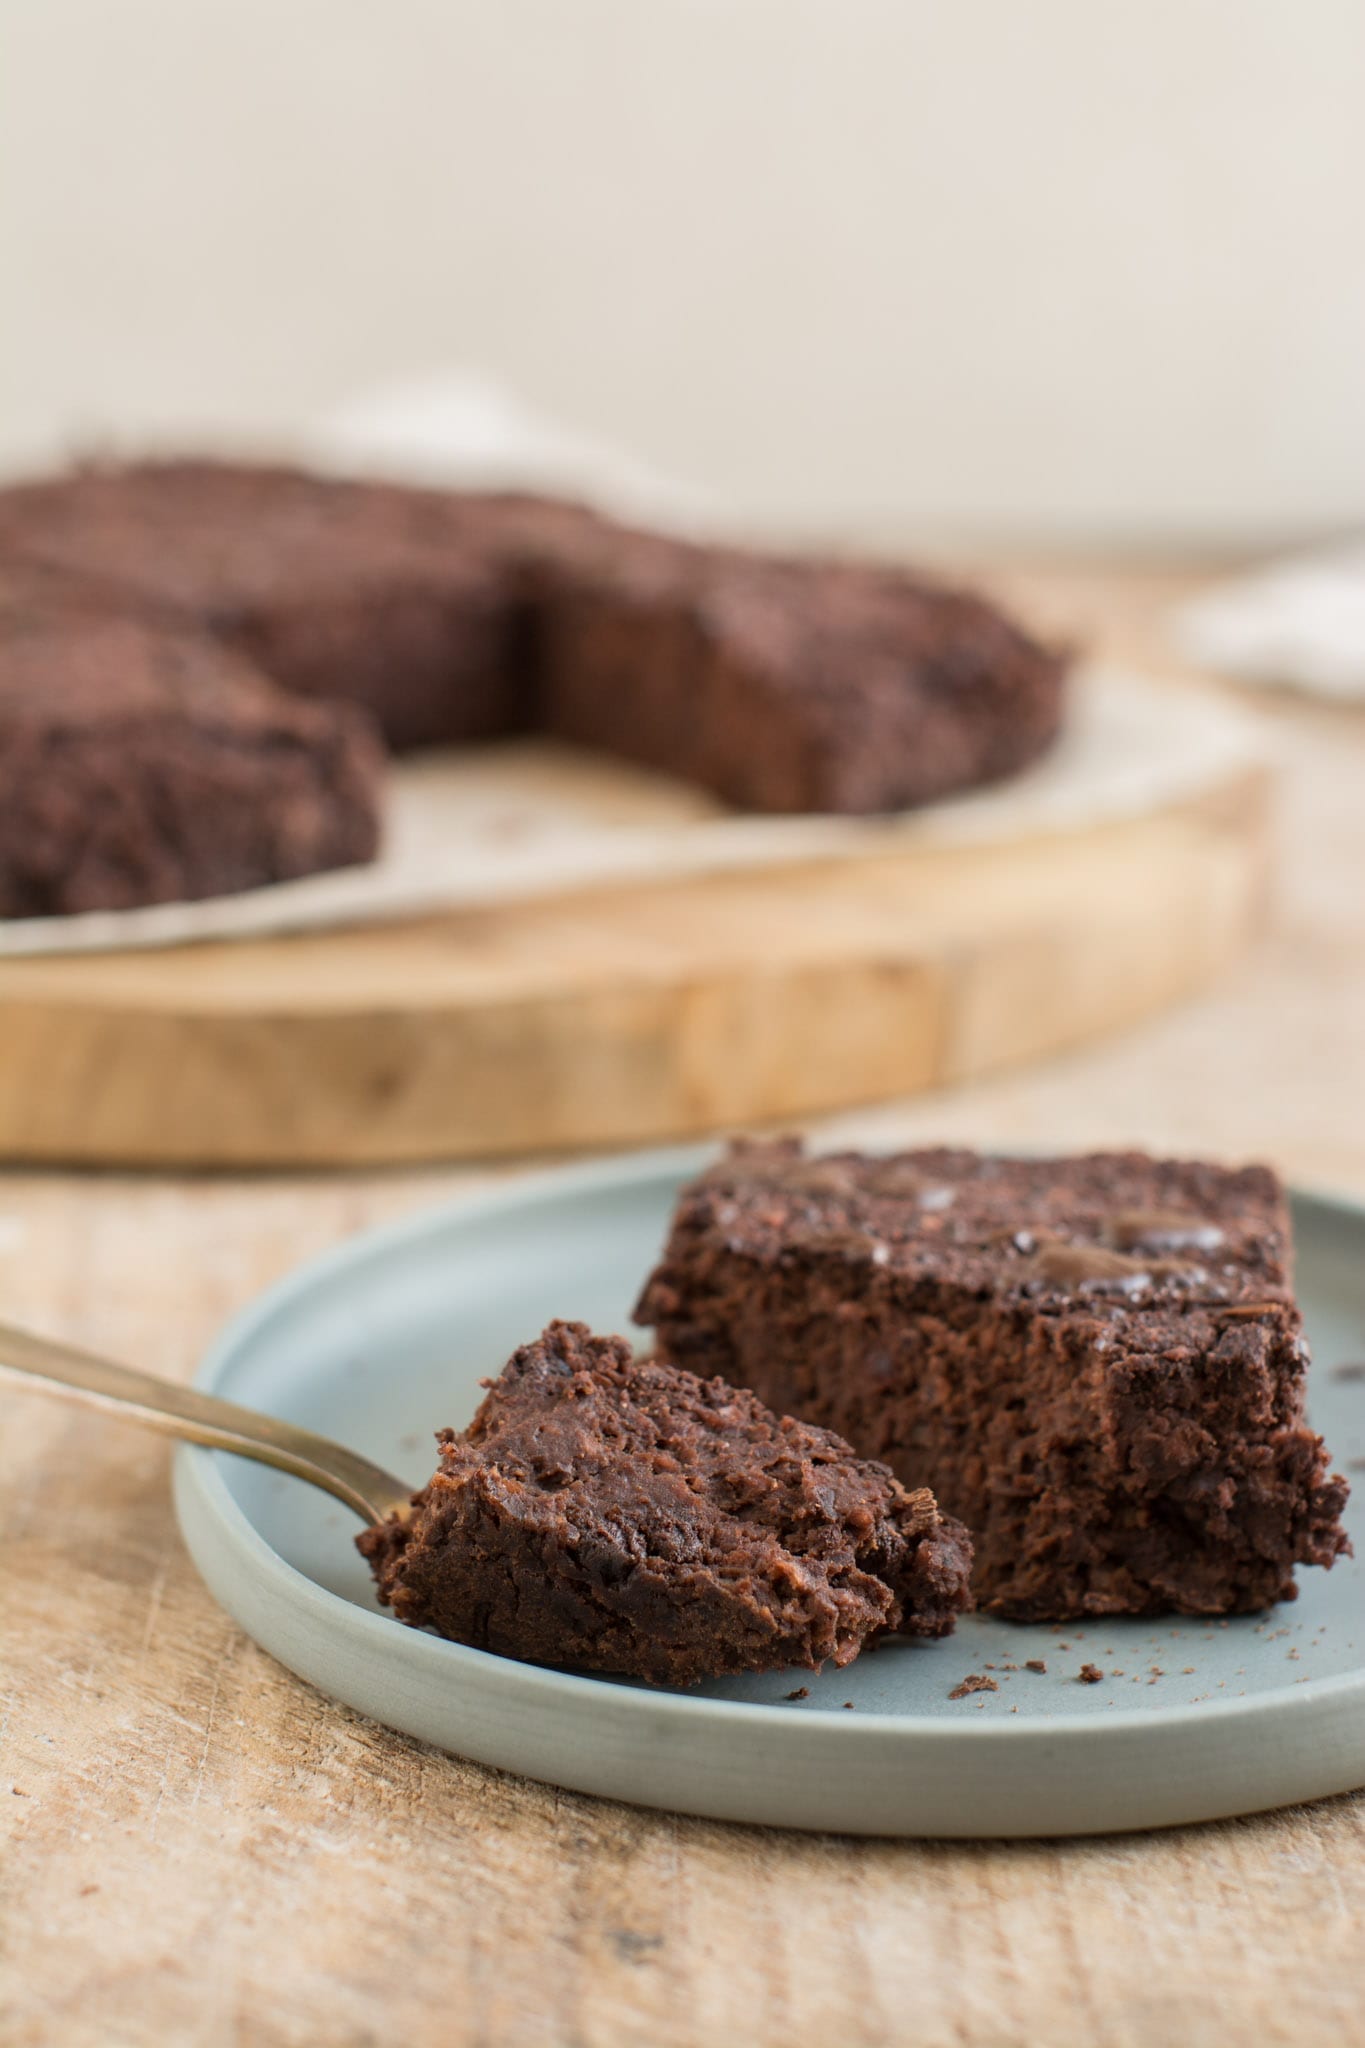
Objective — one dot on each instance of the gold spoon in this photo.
(371, 1492)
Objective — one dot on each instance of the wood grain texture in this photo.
(202, 1851)
(623, 1015)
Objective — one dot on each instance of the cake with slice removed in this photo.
(779, 683)
(610, 1514)
(1096, 1363)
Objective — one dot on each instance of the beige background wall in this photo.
(1048, 266)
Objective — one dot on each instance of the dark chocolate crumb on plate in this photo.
(1035, 1664)
(802, 1693)
(975, 1681)
(1090, 1674)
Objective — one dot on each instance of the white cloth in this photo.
(1299, 623)
(464, 429)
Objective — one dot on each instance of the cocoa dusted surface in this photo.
(144, 763)
(617, 1515)
(1097, 1363)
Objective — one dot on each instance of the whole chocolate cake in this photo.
(1096, 1363)
(615, 1515)
(778, 684)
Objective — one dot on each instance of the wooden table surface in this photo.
(197, 1849)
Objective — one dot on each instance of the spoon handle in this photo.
(202, 1419)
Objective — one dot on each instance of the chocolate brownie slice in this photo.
(142, 763)
(1097, 1363)
(409, 602)
(789, 684)
(616, 1515)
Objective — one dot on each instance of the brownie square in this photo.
(1097, 1363)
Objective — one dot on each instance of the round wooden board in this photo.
(624, 1015)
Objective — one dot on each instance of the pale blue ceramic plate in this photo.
(387, 1337)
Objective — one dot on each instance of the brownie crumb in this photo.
(975, 1681)
(802, 1693)
(1035, 1664)
(848, 1706)
(1090, 1674)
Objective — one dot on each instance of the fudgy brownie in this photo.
(142, 763)
(793, 685)
(617, 1515)
(1097, 1363)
